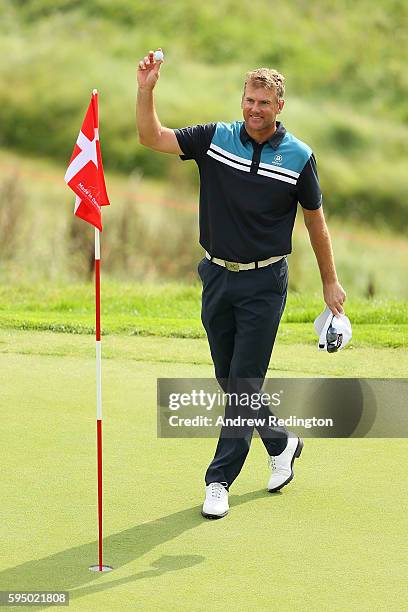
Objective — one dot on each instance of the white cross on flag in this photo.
(85, 171)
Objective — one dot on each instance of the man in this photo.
(252, 175)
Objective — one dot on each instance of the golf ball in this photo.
(158, 56)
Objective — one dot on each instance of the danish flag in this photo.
(85, 171)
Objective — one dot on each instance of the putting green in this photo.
(329, 541)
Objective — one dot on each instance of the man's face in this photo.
(259, 108)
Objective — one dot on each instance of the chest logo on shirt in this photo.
(278, 159)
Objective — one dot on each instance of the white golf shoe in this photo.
(282, 465)
(216, 501)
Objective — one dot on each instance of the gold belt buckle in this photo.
(232, 266)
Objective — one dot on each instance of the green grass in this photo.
(320, 544)
(330, 541)
(173, 310)
(294, 357)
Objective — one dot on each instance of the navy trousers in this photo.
(241, 312)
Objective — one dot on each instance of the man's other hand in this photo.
(334, 297)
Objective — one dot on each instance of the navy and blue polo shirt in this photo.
(249, 191)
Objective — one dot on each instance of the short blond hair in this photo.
(267, 78)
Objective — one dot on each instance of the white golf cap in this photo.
(341, 325)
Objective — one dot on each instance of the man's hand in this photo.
(152, 133)
(148, 72)
(334, 297)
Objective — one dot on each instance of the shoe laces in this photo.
(216, 489)
(272, 462)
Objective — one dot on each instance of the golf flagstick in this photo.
(100, 567)
(86, 179)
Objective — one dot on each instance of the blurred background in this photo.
(345, 66)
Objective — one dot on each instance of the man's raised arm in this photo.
(151, 132)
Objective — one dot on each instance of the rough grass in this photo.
(151, 234)
(334, 102)
(173, 310)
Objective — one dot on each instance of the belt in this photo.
(234, 266)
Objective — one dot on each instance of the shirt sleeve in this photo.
(308, 186)
(194, 141)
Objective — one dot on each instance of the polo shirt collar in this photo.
(274, 141)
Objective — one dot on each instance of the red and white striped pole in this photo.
(100, 567)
